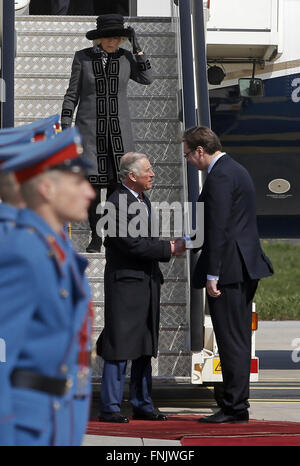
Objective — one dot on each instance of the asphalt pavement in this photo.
(275, 397)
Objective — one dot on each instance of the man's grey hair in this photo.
(130, 162)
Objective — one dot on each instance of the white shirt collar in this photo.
(214, 161)
(131, 190)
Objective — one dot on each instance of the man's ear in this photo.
(132, 176)
(46, 188)
(201, 152)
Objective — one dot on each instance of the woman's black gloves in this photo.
(136, 48)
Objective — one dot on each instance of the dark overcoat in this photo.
(103, 116)
(132, 281)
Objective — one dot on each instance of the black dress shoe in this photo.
(220, 418)
(113, 417)
(154, 416)
(95, 244)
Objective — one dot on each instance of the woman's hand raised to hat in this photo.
(136, 48)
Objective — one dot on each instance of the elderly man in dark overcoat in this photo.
(132, 283)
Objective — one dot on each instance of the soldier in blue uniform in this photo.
(45, 313)
(10, 197)
(17, 140)
(39, 129)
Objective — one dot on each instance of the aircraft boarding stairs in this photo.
(45, 49)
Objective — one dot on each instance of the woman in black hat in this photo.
(98, 85)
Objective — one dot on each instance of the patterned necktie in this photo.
(142, 200)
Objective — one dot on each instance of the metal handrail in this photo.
(194, 89)
(201, 83)
(7, 14)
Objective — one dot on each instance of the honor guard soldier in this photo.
(15, 137)
(40, 129)
(45, 314)
(10, 197)
(16, 141)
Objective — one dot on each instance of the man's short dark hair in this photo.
(204, 137)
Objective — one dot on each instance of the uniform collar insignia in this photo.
(56, 249)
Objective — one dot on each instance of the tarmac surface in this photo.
(275, 397)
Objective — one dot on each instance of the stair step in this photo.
(53, 75)
(175, 269)
(52, 63)
(45, 86)
(140, 107)
(173, 280)
(72, 34)
(172, 365)
(82, 24)
(141, 127)
(146, 99)
(170, 341)
(172, 291)
(172, 314)
(167, 366)
(160, 151)
(54, 54)
(155, 43)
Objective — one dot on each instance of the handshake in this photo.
(178, 246)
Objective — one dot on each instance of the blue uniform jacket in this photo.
(8, 215)
(45, 324)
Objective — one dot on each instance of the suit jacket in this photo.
(132, 280)
(44, 321)
(231, 248)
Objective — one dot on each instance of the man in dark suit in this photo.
(230, 264)
(132, 281)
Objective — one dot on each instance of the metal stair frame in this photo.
(156, 134)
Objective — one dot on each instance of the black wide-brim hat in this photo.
(111, 25)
